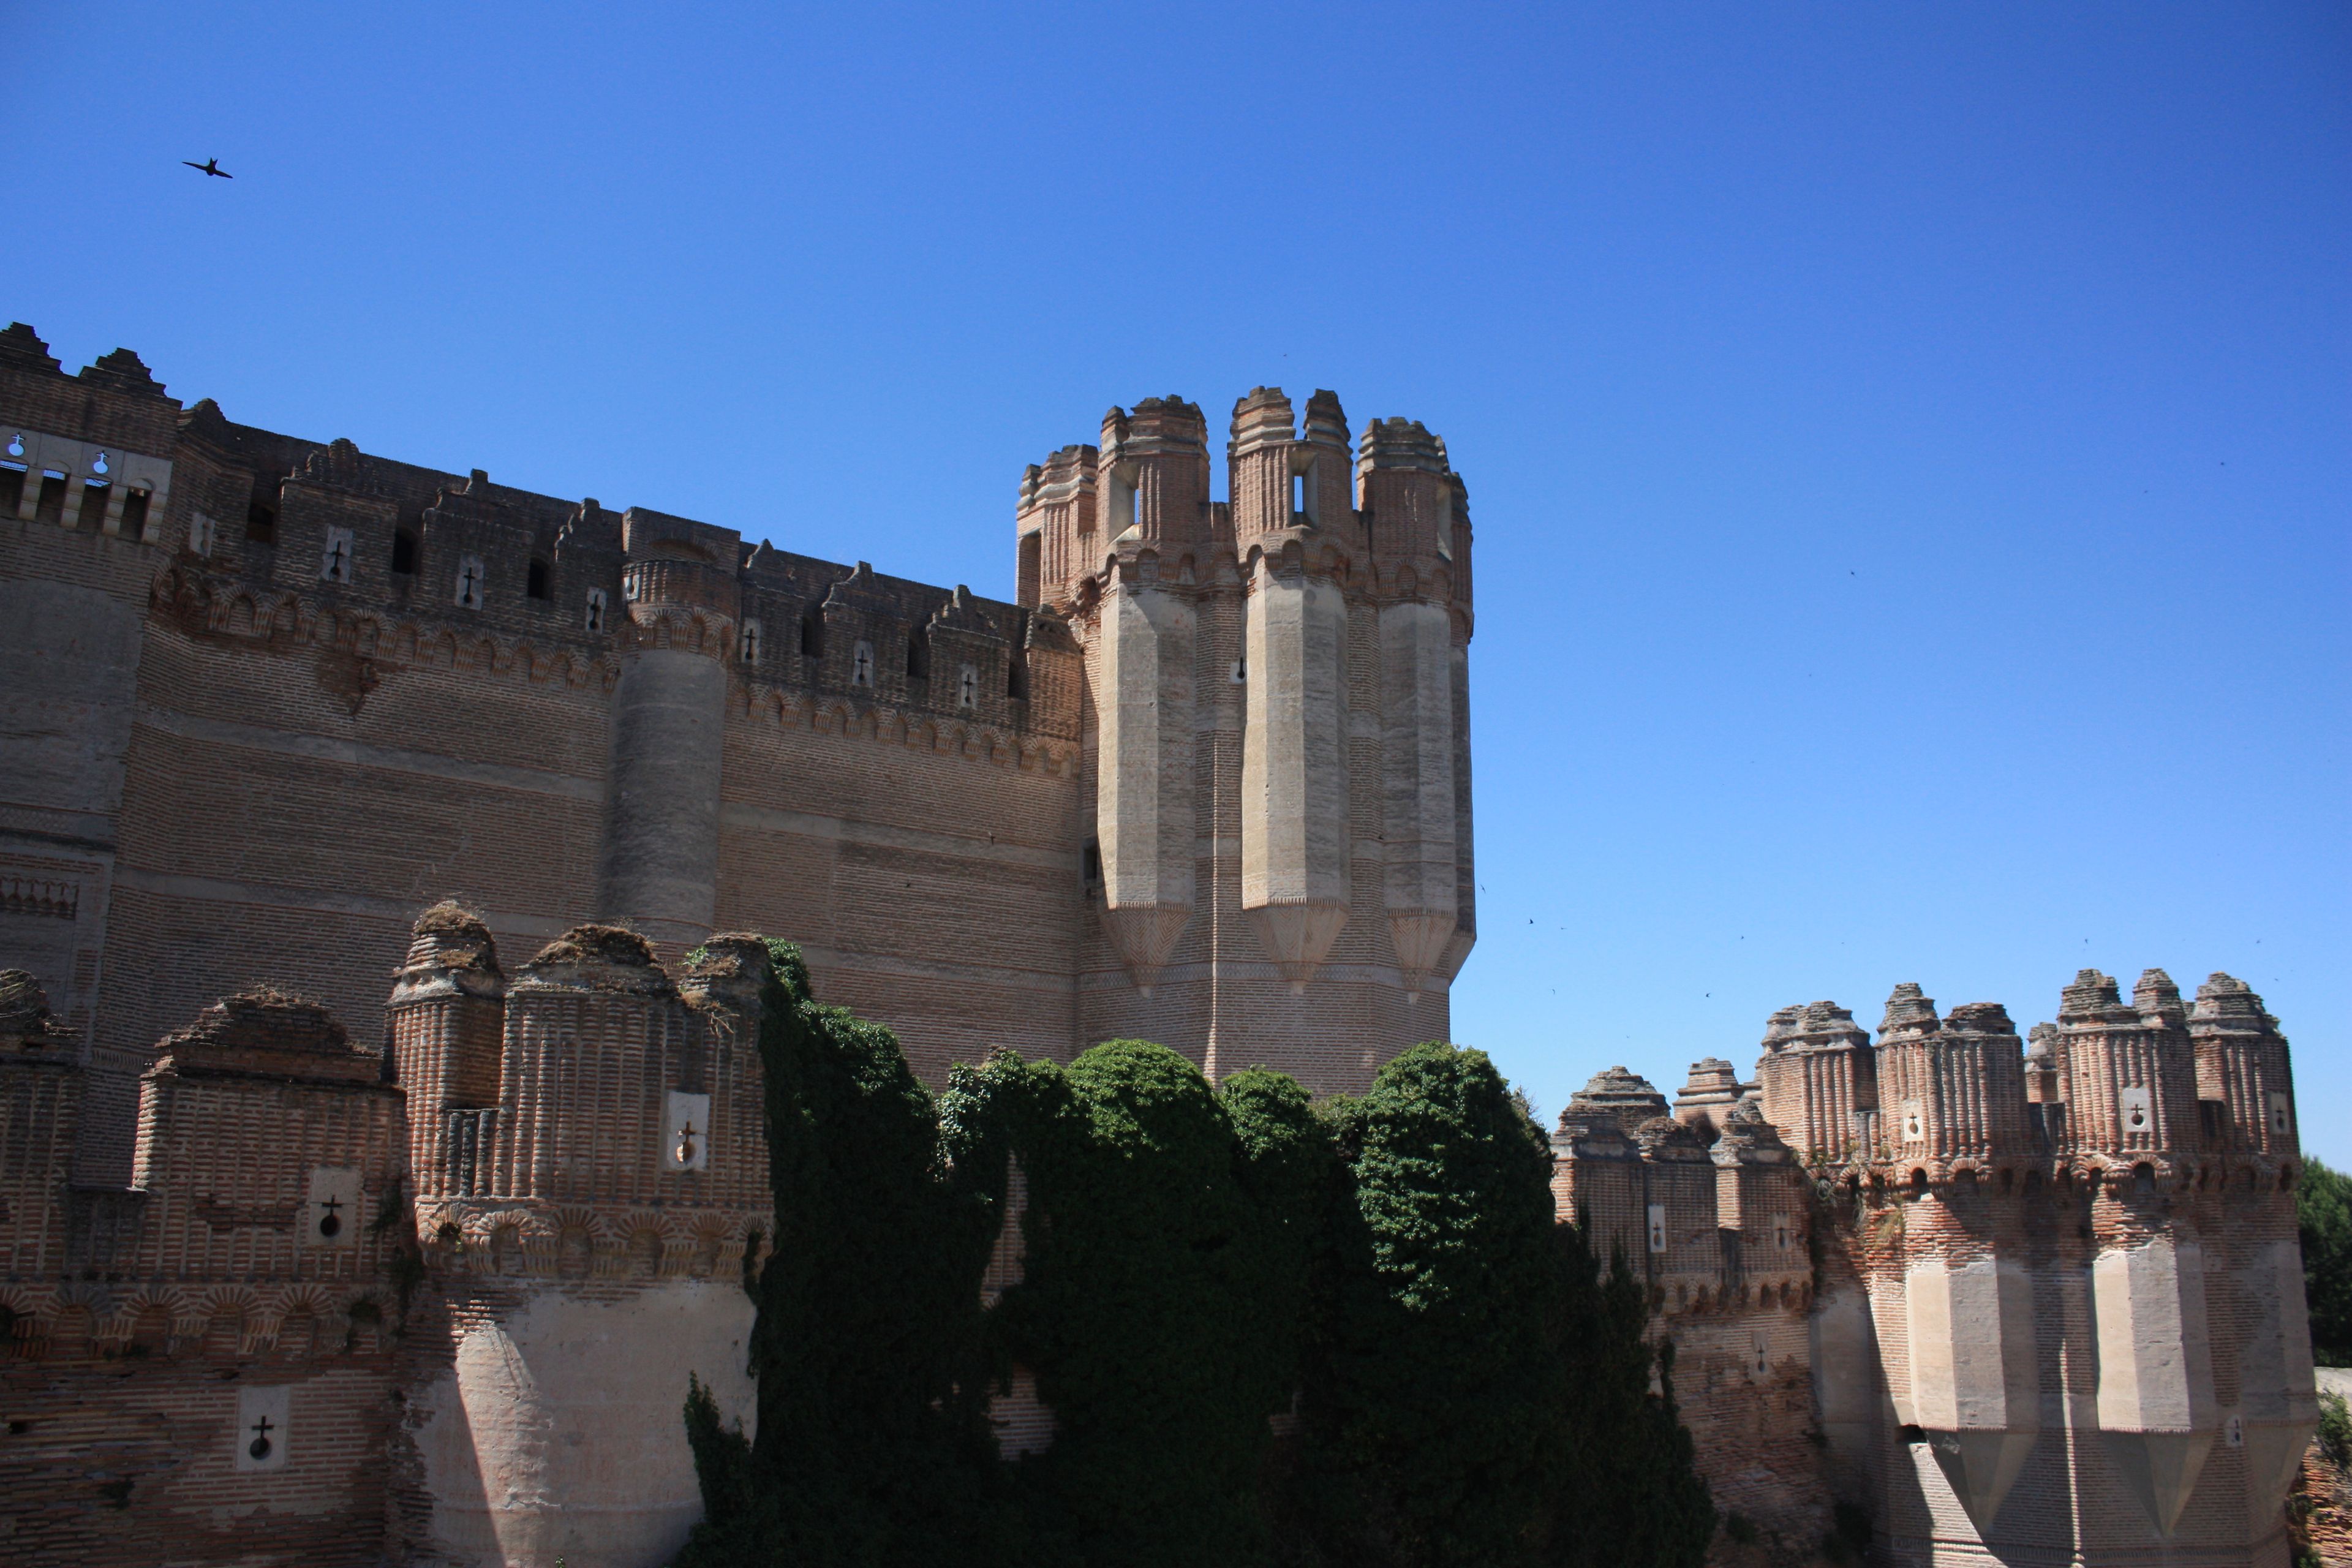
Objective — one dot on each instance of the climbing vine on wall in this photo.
(1459, 1381)
(1168, 1231)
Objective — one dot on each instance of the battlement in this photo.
(1387, 515)
(2111, 1087)
(295, 530)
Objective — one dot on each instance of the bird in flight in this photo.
(210, 166)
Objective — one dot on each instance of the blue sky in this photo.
(1908, 444)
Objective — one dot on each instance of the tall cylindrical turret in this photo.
(2131, 1086)
(2241, 1061)
(1295, 837)
(445, 1019)
(660, 870)
(1952, 1091)
(1056, 526)
(1154, 476)
(1820, 1082)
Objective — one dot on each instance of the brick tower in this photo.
(1279, 861)
(590, 1172)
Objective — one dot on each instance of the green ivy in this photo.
(1167, 1233)
(1470, 1387)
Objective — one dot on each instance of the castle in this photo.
(338, 1230)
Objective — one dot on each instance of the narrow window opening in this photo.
(1092, 863)
(1134, 506)
(1918, 1183)
(95, 494)
(1016, 675)
(51, 506)
(262, 517)
(12, 489)
(751, 640)
(1298, 494)
(2143, 1178)
(403, 553)
(596, 609)
(535, 582)
(918, 656)
(134, 514)
(811, 635)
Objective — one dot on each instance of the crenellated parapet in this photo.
(533, 1157)
(2050, 1279)
(1278, 708)
(1714, 1220)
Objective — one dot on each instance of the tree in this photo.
(2323, 1215)
(1166, 1258)
(1436, 1383)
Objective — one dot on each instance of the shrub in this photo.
(1473, 1387)
(2335, 1430)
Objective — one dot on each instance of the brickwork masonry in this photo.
(2043, 1300)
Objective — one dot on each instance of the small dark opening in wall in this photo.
(134, 514)
(918, 656)
(12, 489)
(95, 494)
(2143, 1178)
(1093, 858)
(51, 506)
(1918, 1183)
(1016, 675)
(403, 553)
(811, 635)
(1914, 1435)
(261, 522)
(535, 581)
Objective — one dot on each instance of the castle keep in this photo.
(380, 1141)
